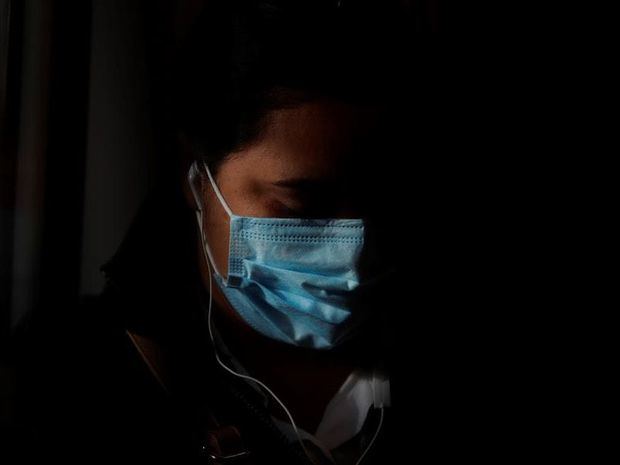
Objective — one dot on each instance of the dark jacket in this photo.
(87, 390)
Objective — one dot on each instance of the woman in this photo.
(245, 318)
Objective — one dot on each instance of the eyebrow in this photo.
(304, 183)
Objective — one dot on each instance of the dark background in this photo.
(85, 134)
(85, 137)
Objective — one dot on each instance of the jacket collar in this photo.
(154, 276)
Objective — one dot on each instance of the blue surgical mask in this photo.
(293, 280)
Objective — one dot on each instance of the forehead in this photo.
(319, 138)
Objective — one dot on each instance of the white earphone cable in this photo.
(230, 370)
(208, 258)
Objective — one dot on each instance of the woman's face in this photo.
(309, 162)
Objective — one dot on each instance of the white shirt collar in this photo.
(344, 415)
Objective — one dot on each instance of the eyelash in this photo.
(285, 210)
(299, 207)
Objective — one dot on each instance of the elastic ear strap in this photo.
(193, 173)
(217, 191)
(205, 245)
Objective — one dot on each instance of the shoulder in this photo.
(77, 380)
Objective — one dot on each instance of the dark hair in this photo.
(245, 57)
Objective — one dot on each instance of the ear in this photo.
(187, 159)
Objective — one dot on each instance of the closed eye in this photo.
(314, 198)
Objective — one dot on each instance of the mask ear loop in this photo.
(208, 259)
(194, 173)
(216, 189)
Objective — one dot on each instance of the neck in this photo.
(304, 380)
